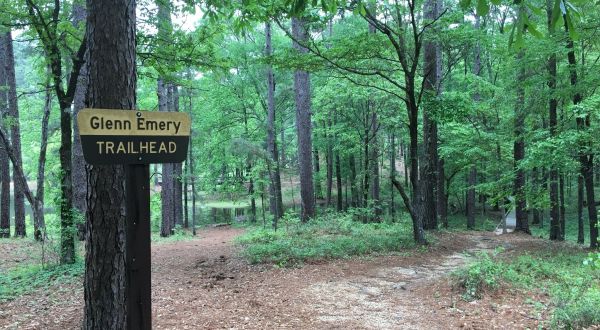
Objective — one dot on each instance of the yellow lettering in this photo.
(172, 147)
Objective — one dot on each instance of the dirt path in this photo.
(202, 284)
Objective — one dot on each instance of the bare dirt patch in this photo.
(203, 284)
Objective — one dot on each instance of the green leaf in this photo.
(483, 8)
(572, 32)
(496, 2)
(556, 12)
(465, 4)
(533, 30)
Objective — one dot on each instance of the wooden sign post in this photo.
(135, 139)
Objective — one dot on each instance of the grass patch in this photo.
(574, 288)
(227, 204)
(328, 237)
(458, 222)
(25, 279)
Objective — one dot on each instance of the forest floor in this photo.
(203, 284)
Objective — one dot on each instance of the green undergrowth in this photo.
(26, 279)
(330, 236)
(573, 286)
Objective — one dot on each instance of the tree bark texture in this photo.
(111, 85)
(303, 124)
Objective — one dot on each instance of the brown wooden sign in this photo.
(133, 137)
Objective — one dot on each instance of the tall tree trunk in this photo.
(303, 124)
(78, 175)
(275, 197)
(39, 223)
(111, 85)
(374, 167)
(13, 112)
(177, 167)
(329, 162)
(167, 186)
(552, 114)
(165, 104)
(586, 155)
(4, 161)
(429, 164)
(519, 154)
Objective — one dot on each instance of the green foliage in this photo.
(26, 279)
(328, 237)
(480, 277)
(573, 287)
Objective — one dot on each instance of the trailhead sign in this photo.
(133, 137)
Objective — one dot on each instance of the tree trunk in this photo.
(303, 124)
(329, 163)
(353, 188)
(13, 112)
(167, 186)
(111, 85)
(186, 222)
(429, 165)
(275, 197)
(392, 175)
(552, 114)
(580, 196)
(519, 154)
(4, 161)
(39, 223)
(471, 182)
(441, 194)
(177, 168)
(586, 155)
(78, 175)
(317, 176)
(374, 168)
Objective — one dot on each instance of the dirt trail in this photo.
(202, 284)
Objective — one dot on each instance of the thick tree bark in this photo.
(4, 161)
(15, 132)
(275, 197)
(303, 124)
(111, 85)
(429, 165)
